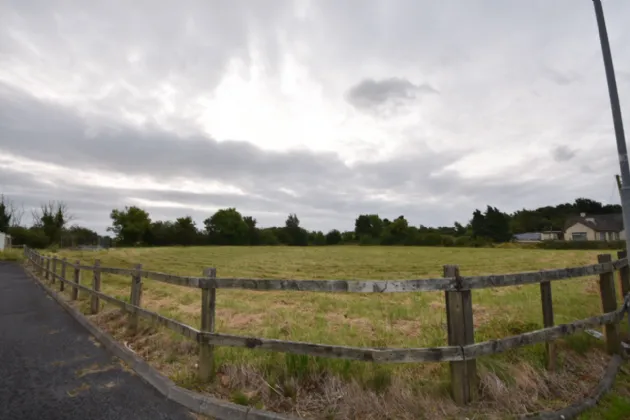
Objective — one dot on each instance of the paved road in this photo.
(51, 368)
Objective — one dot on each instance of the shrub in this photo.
(333, 237)
(448, 240)
(612, 245)
(368, 240)
(31, 237)
(468, 241)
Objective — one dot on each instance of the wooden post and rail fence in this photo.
(461, 351)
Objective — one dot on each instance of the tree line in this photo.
(50, 226)
(133, 226)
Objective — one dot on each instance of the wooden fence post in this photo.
(624, 275)
(62, 284)
(547, 310)
(77, 280)
(54, 269)
(136, 295)
(47, 275)
(96, 286)
(36, 266)
(609, 304)
(208, 312)
(459, 319)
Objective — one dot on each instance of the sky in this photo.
(327, 109)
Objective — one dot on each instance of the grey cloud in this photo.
(563, 153)
(59, 137)
(370, 93)
(329, 193)
(189, 44)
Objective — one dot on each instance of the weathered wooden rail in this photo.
(461, 350)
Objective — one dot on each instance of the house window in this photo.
(602, 236)
(578, 236)
(615, 236)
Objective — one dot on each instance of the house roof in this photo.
(598, 222)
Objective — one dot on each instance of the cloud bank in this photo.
(323, 109)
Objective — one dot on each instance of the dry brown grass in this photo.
(511, 383)
(506, 388)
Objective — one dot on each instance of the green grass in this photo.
(615, 405)
(12, 255)
(368, 320)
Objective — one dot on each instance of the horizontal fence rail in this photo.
(381, 355)
(445, 284)
(457, 290)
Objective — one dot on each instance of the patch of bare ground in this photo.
(481, 314)
(363, 325)
(506, 388)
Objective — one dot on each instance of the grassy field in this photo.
(513, 382)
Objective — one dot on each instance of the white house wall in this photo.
(591, 235)
(577, 228)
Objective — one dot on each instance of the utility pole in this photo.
(622, 150)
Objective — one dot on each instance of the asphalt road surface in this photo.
(51, 368)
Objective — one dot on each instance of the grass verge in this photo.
(12, 255)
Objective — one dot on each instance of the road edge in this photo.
(196, 402)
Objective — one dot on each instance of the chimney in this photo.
(582, 214)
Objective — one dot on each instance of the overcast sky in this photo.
(322, 108)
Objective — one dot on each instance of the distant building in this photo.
(551, 235)
(528, 237)
(5, 241)
(597, 227)
(547, 235)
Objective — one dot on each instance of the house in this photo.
(596, 227)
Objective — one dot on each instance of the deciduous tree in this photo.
(131, 225)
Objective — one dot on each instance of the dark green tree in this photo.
(6, 214)
(253, 233)
(185, 231)
(297, 236)
(498, 225)
(317, 238)
(478, 225)
(459, 229)
(160, 233)
(227, 227)
(333, 237)
(493, 225)
(33, 237)
(395, 232)
(368, 226)
(348, 236)
(131, 225)
(79, 235)
(52, 218)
